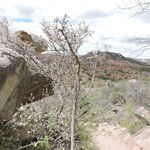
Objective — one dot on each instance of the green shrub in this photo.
(84, 136)
(129, 118)
(44, 144)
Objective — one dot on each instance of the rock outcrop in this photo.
(19, 84)
(39, 44)
(143, 114)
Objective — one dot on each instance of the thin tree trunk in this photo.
(73, 126)
(74, 111)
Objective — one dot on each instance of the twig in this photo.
(29, 145)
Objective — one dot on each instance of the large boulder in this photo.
(19, 83)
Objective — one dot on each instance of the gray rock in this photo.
(143, 114)
(19, 84)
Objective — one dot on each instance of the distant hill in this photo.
(147, 61)
(109, 65)
(114, 66)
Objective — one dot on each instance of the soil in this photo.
(114, 137)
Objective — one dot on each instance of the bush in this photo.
(44, 144)
(129, 121)
(83, 131)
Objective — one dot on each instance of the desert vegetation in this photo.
(52, 98)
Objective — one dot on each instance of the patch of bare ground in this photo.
(114, 137)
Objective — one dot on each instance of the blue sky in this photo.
(119, 29)
(22, 20)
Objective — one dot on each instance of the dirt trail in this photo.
(108, 137)
(109, 143)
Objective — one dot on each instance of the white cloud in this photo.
(107, 22)
(31, 27)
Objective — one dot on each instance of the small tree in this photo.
(64, 40)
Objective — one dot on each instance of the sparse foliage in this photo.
(64, 40)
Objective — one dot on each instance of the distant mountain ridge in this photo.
(147, 61)
(110, 65)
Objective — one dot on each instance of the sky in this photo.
(115, 29)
